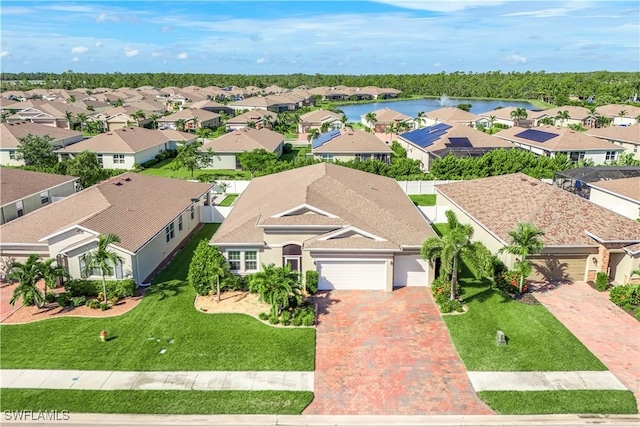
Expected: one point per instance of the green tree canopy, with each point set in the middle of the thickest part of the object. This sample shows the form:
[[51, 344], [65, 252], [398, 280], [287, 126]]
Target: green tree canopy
[[524, 240], [190, 157], [208, 265], [255, 160], [102, 258], [37, 151], [86, 167]]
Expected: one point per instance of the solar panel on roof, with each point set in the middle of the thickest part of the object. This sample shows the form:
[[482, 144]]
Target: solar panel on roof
[[536, 135], [425, 137], [319, 140], [461, 142]]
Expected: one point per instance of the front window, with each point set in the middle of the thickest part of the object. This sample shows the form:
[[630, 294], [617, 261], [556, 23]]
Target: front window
[[12, 154], [100, 160], [234, 260], [610, 156], [19, 208], [95, 271], [170, 232], [251, 260], [192, 212], [180, 223], [576, 155], [328, 157], [44, 197], [118, 159]]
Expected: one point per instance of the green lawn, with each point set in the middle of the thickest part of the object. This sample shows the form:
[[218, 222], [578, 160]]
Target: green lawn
[[229, 199], [440, 228], [299, 151], [423, 199], [561, 402], [164, 319], [537, 341], [156, 401], [165, 168]]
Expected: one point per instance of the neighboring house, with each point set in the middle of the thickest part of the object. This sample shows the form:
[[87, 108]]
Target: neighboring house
[[627, 137], [386, 117], [449, 115], [212, 106], [620, 114], [193, 119], [227, 147], [550, 141], [374, 92], [151, 215], [149, 106], [577, 116], [45, 113], [350, 145], [502, 116], [619, 195], [123, 148], [581, 238], [437, 141], [22, 191], [120, 117], [259, 118], [357, 230], [11, 133], [275, 103], [317, 118]]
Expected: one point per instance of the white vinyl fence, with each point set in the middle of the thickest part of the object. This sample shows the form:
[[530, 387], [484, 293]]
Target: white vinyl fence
[[210, 214], [420, 187]]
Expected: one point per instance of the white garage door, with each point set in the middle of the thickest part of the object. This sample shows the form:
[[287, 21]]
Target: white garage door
[[352, 275], [409, 270]]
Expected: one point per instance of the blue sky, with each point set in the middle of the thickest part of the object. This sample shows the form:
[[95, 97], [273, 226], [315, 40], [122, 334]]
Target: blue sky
[[326, 37]]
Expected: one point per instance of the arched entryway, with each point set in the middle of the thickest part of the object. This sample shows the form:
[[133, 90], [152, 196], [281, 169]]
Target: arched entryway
[[292, 255]]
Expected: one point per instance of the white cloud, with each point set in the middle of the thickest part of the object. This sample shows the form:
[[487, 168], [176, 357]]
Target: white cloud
[[155, 54], [261, 60], [98, 44], [441, 6], [102, 17], [4, 53], [128, 52], [516, 59], [166, 29], [437, 64], [75, 59], [543, 13], [182, 55], [80, 49]]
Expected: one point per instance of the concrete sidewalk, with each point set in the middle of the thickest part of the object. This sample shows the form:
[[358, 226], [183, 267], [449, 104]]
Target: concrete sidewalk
[[541, 381], [187, 380]]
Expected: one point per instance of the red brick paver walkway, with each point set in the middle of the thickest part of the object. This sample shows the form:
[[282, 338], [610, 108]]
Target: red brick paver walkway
[[605, 329], [387, 353]]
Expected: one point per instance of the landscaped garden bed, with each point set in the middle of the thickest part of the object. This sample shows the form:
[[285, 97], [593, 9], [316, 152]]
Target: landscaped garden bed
[[627, 297]]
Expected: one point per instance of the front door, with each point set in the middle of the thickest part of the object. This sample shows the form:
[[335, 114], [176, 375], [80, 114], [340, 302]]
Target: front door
[[292, 255], [294, 262]]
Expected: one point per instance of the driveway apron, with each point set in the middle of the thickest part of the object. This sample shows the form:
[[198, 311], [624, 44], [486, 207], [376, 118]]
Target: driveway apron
[[387, 353], [605, 329]]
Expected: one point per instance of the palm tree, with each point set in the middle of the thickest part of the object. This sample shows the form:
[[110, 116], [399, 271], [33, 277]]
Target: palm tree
[[251, 124], [518, 114], [421, 115], [28, 274], [51, 273], [154, 120], [343, 120], [492, 120], [525, 240], [562, 115], [118, 103], [324, 127], [455, 246], [371, 119], [103, 258], [276, 286], [635, 272], [82, 118], [313, 133], [69, 116], [180, 124], [391, 129], [546, 121], [138, 115]]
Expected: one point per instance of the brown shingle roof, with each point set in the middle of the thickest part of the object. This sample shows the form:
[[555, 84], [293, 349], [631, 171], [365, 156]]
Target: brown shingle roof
[[566, 139], [188, 114], [136, 210], [630, 134], [564, 217], [10, 133], [626, 187], [316, 116], [16, 184], [477, 138], [369, 202], [575, 112], [613, 110], [504, 113], [246, 139], [354, 141], [252, 116], [125, 140]]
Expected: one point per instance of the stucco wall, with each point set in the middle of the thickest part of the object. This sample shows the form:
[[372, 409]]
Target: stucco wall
[[223, 161], [622, 206]]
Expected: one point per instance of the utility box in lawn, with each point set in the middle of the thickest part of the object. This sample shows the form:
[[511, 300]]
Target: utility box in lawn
[[501, 339]]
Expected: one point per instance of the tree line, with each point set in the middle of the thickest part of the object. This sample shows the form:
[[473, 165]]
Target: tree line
[[604, 86]]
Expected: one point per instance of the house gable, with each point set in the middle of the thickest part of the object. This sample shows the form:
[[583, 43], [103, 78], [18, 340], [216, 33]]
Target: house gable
[[304, 209]]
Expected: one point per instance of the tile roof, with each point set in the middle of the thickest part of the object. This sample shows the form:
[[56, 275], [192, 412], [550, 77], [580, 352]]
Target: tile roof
[[614, 110], [354, 141], [10, 133], [188, 114], [387, 115], [126, 140], [246, 139], [317, 116], [504, 113], [564, 217], [626, 187], [576, 113], [252, 116], [136, 210], [369, 202], [452, 114], [630, 134], [565, 140], [475, 137], [16, 184]]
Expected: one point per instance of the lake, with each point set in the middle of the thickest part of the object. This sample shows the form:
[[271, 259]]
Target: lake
[[414, 106]]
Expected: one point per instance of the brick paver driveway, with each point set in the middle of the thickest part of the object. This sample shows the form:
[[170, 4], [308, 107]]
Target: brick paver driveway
[[605, 329], [387, 353]]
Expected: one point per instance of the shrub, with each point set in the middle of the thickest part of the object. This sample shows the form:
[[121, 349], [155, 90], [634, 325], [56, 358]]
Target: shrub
[[235, 283], [626, 294], [120, 288], [81, 287], [602, 281], [441, 290], [308, 319], [93, 303], [263, 316], [311, 281], [637, 313], [273, 319], [78, 301], [297, 321], [104, 306], [287, 148], [64, 299], [113, 300], [285, 318], [509, 282], [450, 305], [50, 297], [149, 163], [499, 268]]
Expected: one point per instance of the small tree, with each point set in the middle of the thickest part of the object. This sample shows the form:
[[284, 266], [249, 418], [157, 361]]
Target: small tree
[[103, 258], [276, 286], [371, 119], [525, 240], [312, 134], [86, 167], [207, 266], [255, 160], [28, 274], [36, 151], [190, 157]]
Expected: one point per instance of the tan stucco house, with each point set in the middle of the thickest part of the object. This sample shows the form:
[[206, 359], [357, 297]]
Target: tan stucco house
[[619, 195], [11, 133], [627, 137], [151, 215], [350, 144], [357, 230], [228, 146], [581, 238], [317, 118]]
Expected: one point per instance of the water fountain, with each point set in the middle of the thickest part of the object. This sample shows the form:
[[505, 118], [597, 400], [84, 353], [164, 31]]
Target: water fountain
[[445, 101]]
